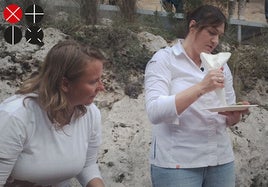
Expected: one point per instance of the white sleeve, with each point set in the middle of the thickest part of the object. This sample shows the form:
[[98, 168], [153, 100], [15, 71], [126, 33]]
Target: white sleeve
[[12, 138], [160, 105], [91, 168]]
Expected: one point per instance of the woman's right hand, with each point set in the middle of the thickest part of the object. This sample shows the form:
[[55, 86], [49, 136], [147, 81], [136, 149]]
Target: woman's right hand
[[213, 80]]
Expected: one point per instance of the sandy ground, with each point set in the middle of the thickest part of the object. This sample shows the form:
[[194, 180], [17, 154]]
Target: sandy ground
[[150, 5], [254, 9]]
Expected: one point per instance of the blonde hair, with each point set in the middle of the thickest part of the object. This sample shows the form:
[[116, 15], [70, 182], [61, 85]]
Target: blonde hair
[[66, 59]]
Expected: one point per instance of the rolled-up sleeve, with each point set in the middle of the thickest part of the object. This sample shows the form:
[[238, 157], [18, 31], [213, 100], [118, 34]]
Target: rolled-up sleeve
[[160, 105], [91, 168]]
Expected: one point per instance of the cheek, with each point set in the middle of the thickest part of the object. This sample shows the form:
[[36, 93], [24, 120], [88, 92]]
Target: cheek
[[198, 44], [202, 39], [81, 91], [89, 89]]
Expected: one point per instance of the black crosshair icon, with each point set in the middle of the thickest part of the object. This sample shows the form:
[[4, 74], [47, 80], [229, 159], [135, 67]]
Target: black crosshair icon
[[34, 14], [34, 35], [12, 35]]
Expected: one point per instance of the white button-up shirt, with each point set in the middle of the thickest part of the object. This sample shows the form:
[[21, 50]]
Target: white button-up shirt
[[196, 137]]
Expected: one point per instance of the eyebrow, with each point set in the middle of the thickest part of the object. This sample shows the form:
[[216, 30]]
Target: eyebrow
[[217, 30]]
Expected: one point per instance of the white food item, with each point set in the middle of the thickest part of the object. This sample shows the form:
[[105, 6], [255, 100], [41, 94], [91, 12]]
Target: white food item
[[216, 61]]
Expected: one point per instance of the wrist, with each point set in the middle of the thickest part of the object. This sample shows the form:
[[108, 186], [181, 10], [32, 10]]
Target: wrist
[[200, 90]]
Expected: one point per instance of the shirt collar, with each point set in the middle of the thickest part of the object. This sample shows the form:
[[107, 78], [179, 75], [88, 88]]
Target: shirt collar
[[178, 48]]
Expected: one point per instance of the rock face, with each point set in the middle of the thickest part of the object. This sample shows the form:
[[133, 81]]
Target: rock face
[[124, 154], [123, 157], [151, 42], [250, 148]]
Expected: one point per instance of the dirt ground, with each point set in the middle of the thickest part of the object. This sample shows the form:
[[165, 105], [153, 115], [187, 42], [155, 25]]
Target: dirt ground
[[254, 9]]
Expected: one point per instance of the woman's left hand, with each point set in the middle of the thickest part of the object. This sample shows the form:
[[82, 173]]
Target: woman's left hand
[[233, 117], [96, 182]]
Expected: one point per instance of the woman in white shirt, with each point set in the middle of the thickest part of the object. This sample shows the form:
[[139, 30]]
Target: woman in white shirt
[[190, 146], [50, 131]]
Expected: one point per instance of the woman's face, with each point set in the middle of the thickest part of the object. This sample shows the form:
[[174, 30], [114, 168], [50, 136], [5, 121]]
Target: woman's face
[[208, 38], [83, 90]]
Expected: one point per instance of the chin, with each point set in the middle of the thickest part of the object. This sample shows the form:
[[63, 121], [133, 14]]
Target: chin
[[207, 51], [89, 102]]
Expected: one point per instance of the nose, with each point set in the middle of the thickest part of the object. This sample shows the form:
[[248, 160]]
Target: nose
[[100, 86], [216, 39]]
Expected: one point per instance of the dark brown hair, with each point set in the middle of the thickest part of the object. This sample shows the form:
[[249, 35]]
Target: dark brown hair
[[206, 16]]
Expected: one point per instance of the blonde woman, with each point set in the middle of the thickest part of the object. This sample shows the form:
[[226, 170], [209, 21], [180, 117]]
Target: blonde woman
[[50, 130]]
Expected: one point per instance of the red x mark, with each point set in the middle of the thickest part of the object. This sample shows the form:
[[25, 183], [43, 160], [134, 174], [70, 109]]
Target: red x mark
[[12, 13]]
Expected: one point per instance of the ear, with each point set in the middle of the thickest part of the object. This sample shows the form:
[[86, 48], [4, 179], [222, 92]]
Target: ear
[[65, 84], [192, 24]]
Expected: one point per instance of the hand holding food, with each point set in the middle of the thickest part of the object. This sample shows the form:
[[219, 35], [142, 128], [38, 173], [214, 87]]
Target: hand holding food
[[216, 61]]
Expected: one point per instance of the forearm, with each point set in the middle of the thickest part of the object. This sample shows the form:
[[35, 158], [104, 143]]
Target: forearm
[[185, 98], [96, 182], [210, 82]]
